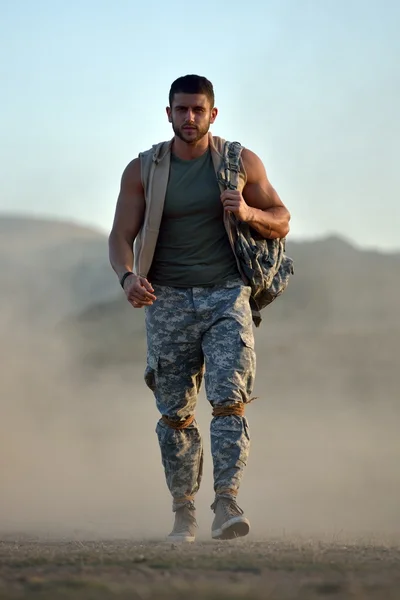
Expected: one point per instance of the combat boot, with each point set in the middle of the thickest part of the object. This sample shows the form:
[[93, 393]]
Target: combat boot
[[229, 522], [185, 525]]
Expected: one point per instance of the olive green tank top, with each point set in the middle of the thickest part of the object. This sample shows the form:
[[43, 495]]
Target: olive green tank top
[[193, 248]]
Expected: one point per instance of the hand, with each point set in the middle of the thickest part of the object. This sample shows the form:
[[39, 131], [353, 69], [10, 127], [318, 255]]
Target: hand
[[234, 202], [138, 291]]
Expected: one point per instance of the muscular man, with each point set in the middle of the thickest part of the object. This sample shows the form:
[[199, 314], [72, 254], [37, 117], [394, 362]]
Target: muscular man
[[198, 317]]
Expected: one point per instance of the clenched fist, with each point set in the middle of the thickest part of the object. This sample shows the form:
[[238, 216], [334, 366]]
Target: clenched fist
[[234, 202]]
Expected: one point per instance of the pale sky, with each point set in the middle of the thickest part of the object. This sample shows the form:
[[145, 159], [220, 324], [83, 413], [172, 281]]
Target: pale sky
[[312, 86]]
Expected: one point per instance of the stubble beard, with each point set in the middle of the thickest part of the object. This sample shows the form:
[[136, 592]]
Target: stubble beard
[[190, 138]]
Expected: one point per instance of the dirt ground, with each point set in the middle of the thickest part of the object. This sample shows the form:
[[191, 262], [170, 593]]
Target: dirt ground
[[278, 569]]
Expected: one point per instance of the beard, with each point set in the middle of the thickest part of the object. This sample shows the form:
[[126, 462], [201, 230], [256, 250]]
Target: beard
[[191, 137]]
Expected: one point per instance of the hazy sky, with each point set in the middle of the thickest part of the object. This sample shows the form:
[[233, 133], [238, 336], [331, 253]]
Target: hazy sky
[[312, 86]]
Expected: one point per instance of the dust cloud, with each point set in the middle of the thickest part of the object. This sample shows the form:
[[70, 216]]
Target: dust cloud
[[75, 455], [79, 456]]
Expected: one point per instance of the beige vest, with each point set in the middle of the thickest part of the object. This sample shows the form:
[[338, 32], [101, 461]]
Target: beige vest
[[155, 165]]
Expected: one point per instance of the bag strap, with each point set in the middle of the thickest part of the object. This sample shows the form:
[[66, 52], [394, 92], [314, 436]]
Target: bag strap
[[229, 174]]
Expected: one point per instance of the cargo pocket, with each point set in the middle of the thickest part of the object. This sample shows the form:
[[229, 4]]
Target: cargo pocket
[[247, 338], [151, 371], [247, 363]]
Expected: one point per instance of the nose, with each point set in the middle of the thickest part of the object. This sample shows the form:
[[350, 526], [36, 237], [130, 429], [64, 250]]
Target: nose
[[190, 115]]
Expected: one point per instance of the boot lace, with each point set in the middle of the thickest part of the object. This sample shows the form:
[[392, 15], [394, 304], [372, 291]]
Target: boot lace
[[229, 508]]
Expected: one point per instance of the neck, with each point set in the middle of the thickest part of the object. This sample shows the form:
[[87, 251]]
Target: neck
[[189, 151]]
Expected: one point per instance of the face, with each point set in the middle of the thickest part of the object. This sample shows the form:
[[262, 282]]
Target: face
[[191, 116]]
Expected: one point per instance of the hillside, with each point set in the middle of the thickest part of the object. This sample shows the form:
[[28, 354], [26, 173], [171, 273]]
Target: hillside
[[66, 270], [51, 269], [341, 309], [337, 290]]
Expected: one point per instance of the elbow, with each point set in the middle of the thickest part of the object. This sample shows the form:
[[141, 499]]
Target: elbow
[[118, 240], [115, 242], [112, 238], [111, 247], [118, 237]]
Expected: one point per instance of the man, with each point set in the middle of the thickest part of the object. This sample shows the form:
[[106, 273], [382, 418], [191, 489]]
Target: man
[[198, 317]]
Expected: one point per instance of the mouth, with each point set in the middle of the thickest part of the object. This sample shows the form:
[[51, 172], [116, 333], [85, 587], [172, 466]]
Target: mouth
[[189, 128]]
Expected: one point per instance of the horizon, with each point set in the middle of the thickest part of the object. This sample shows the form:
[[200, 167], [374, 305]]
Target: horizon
[[51, 219], [315, 94]]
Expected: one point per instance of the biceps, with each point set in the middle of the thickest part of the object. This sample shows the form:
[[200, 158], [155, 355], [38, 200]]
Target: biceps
[[129, 215], [130, 208], [258, 191], [261, 195]]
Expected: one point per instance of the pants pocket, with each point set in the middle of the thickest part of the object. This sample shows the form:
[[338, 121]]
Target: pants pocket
[[248, 361], [151, 371], [247, 338]]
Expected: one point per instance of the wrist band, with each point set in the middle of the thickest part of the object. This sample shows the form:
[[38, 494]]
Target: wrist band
[[124, 276]]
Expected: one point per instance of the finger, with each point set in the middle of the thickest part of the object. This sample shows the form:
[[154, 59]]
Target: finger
[[232, 202], [146, 284], [149, 296], [236, 200], [136, 304], [146, 298], [138, 289], [144, 293], [141, 293], [139, 296], [140, 300], [230, 194], [231, 206]]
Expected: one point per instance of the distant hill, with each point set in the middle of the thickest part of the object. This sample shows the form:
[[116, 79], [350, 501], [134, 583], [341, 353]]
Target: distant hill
[[338, 318], [339, 286], [51, 269], [336, 289]]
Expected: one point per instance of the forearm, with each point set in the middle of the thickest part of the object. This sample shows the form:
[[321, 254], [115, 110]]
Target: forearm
[[120, 252], [271, 223]]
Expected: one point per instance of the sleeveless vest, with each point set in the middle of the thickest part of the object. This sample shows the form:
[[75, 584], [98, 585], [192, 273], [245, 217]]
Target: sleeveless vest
[[155, 166]]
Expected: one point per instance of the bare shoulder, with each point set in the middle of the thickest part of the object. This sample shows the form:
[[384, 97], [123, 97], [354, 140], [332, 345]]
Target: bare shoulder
[[258, 191], [130, 208], [131, 179], [253, 166]]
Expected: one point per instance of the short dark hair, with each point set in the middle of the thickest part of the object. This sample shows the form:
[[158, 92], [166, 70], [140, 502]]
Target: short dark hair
[[192, 84]]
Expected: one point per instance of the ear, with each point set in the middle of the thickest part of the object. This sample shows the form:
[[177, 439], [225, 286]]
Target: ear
[[214, 114], [169, 113]]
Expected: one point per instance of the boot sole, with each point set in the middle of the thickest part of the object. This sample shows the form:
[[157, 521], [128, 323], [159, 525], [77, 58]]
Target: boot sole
[[234, 528]]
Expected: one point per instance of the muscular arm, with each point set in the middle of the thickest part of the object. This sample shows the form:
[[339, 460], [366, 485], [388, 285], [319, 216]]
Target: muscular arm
[[128, 219], [267, 214]]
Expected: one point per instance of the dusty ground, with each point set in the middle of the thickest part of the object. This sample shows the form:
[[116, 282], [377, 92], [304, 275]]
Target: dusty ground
[[275, 570]]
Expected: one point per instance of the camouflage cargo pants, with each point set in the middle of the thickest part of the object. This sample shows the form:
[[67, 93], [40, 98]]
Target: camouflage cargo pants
[[193, 332]]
